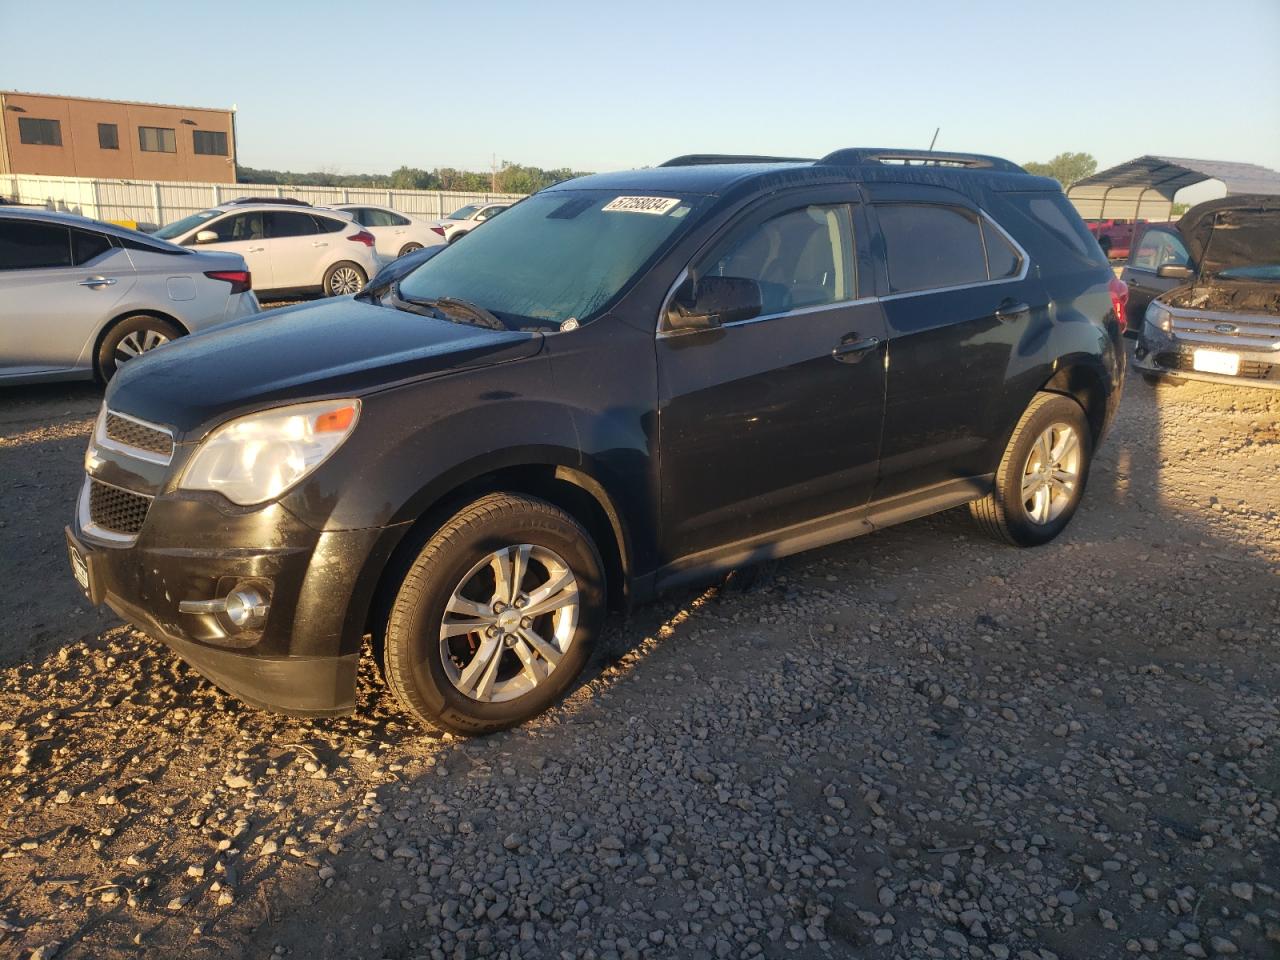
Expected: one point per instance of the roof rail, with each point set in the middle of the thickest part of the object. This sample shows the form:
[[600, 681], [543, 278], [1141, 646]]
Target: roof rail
[[852, 156], [287, 201], [704, 159]]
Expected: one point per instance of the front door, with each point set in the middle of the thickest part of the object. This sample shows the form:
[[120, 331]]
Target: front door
[[1158, 247], [243, 233], [775, 420]]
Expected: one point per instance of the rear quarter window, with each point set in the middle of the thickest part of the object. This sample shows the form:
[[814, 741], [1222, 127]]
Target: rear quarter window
[[1047, 225], [928, 246]]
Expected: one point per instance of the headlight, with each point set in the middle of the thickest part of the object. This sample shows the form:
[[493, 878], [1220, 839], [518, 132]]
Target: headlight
[[1159, 317], [260, 456]]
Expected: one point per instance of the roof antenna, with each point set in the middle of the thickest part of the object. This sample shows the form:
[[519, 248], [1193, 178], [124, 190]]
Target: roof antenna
[[935, 138]]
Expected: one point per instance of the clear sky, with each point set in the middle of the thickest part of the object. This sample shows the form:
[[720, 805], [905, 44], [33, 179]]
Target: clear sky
[[600, 85]]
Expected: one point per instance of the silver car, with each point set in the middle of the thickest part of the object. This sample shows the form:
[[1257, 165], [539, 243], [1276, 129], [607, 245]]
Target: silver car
[[79, 297]]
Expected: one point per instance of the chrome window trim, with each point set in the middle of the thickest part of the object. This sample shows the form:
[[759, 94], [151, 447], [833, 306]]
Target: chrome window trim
[[91, 529], [100, 438], [1024, 259]]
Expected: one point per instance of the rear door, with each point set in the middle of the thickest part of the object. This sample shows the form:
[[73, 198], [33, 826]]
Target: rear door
[[58, 286], [960, 305], [299, 252], [775, 420], [1157, 247]]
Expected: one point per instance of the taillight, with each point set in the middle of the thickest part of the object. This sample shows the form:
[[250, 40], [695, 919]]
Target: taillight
[[241, 280], [1119, 300], [439, 230], [364, 236]]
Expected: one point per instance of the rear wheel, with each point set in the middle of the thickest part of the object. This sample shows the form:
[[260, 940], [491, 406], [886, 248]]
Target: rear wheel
[[1042, 475], [409, 248], [132, 337], [344, 278], [496, 617]]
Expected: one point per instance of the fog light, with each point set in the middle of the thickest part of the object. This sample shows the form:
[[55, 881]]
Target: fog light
[[244, 608]]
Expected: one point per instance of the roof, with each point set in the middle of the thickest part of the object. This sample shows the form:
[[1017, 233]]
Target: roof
[[127, 103], [74, 220], [1144, 188]]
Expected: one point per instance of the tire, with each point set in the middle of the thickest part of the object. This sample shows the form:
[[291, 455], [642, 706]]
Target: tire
[[1004, 513], [344, 278], [409, 248], [429, 671], [130, 337]]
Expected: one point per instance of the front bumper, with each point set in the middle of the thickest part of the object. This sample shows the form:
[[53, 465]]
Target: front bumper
[[302, 661], [1163, 354]]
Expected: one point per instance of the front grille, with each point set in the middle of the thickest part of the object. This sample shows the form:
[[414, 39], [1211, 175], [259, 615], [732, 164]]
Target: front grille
[[1241, 331], [1249, 369], [131, 433], [117, 510]]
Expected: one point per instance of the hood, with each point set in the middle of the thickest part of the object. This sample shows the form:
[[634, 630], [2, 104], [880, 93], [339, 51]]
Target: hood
[[1232, 232], [332, 348]]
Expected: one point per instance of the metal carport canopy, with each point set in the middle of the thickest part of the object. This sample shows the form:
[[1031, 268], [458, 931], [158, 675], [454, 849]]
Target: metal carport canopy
[[1143, 189]]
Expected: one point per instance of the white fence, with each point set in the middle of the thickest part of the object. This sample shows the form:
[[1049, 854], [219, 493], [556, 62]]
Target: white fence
[[153, 203]]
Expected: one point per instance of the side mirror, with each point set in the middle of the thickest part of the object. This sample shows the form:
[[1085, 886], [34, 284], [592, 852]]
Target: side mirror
[[206, 236], [1175, 271], [712, 302]]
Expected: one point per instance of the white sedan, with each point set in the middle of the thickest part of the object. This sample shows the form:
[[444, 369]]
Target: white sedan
[[395, 233]]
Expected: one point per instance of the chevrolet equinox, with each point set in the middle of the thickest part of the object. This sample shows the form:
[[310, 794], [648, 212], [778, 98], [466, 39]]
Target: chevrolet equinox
[[627, 382]]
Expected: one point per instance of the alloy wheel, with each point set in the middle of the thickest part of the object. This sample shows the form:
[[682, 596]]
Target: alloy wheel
[[1051, 477], [509, 622], [345, 280], [138, 343]]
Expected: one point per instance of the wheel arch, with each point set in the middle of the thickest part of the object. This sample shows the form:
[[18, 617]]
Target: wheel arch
[[121, 318], [573, 490], [1087, 385]]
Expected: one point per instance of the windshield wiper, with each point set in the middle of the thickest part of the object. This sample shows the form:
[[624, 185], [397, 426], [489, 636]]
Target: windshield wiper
[[449, 308]]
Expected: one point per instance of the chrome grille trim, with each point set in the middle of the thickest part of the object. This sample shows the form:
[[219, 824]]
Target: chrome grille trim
[[133, 437], [1252, 331]]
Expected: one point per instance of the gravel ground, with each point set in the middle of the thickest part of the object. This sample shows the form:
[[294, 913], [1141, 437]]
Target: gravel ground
[[915, 744]]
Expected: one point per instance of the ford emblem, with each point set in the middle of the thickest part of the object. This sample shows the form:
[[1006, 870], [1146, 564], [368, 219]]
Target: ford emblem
[[1225, 327]]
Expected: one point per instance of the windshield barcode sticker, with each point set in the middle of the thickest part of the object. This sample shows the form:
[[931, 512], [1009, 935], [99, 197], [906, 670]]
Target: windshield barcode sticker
[[655, 205]]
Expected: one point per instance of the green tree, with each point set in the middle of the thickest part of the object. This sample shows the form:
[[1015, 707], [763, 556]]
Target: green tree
[[412, 178], [1066, 168]]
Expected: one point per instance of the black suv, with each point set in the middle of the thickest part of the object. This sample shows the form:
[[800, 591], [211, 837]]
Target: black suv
[[628, 381]]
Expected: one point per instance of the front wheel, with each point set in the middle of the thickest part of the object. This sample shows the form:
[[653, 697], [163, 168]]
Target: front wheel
[[1042, 475], [344, 278], [496, 617], [132, 337]]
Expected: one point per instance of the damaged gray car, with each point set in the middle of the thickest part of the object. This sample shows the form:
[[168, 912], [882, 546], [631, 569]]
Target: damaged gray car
[[1224, 324]]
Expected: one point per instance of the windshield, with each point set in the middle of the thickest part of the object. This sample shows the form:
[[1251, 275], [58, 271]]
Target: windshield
[[1267, 272], [558, 255], [464, 213], [179, 227]]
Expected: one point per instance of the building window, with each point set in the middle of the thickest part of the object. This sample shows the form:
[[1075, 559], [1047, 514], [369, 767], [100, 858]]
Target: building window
[[157, 140], [210, 142], [108, 136], [45, 133]]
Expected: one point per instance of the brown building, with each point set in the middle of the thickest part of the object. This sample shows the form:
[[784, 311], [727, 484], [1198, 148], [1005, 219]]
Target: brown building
[[114, 139]]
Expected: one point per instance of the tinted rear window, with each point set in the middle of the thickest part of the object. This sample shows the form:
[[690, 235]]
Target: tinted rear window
[[930, 246], [24, 246], [1047, 225]]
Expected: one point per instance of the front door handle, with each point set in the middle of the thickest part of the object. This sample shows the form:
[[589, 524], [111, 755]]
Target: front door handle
[[851, 350], [256, 249], [96, 282], [1011, 310], [320, 243]]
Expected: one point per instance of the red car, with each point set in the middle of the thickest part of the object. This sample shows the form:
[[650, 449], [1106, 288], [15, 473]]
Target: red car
[[1114, 236]]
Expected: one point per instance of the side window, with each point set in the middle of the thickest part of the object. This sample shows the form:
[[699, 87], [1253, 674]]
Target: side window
[[1157, 248], [27, 246], [801, 258], [45, 133], [86, 246], [395, 220], [377, 218], [1047, 225], [242, 226], [1002, 259], [328, 224], [929, 246], [108, 136], [486, 213], [359, 214], [284, 224]]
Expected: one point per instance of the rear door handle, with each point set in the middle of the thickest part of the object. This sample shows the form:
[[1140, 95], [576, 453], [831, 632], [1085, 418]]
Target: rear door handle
[[850, 350], [1011, 310], [256, 249], [320, 243], [96, 282]]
